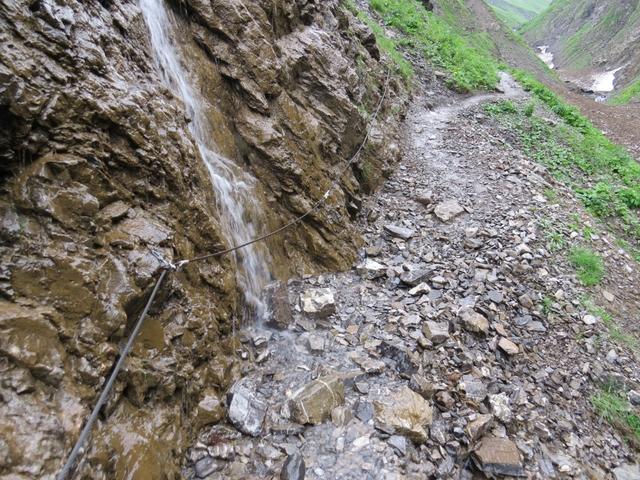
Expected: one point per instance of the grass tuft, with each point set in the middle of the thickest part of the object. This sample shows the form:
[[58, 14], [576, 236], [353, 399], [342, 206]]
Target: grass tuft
[[615, 409], [588, 264], [470, 68], [627, 95]]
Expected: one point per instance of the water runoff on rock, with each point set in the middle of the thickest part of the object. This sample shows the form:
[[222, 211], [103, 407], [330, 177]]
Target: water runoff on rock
[[234, 188]]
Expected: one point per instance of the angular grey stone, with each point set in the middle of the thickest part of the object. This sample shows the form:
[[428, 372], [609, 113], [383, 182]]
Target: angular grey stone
[[477, 428], [399, 443], [420, 289], [422, 386], [424, 198], [371, 269], [293, 468], [406, 413], [526, 302], [627, 472], [498, 456], [495, 296], [474, 321], [414, 277], [364, 411], [318, 302], [206, 466], [500, 408], [437, 332], [473, 388], [316, 344], [279, 314], [448, 210], [313, 403], [508, 347], [246, 412], [536, 327], [400, 232]]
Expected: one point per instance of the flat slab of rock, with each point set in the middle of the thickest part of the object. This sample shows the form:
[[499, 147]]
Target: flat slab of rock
[[371, 269], [498, 456], [473, 387], [475, 429], [279, 314], [400, 232], [508, 347], [318, 302], [437, 332], [414, 277], [473, 321], [313, 403], [627, 472], [405, 413], [448, 210], [246, 412]]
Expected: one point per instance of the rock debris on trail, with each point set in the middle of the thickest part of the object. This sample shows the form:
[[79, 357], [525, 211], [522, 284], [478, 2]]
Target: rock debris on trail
[[433, 357]]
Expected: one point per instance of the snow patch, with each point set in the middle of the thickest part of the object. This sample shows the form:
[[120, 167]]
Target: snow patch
[[604, 82]]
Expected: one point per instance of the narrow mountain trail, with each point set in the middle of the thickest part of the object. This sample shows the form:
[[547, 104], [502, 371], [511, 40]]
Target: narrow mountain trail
[[457, 346]]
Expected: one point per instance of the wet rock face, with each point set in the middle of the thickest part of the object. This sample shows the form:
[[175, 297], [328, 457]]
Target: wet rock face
[[99, 176]]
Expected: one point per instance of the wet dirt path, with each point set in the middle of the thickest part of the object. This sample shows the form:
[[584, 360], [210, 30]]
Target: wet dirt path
[[434, 352]]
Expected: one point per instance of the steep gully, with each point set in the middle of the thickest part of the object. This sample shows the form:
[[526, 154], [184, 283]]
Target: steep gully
[[433, 357]]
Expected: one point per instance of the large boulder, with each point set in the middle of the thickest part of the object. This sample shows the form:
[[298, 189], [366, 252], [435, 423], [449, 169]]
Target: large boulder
[[406, 413], [313, 403]]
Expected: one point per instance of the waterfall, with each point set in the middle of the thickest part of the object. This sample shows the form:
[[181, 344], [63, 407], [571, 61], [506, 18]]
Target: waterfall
[[234, 188]]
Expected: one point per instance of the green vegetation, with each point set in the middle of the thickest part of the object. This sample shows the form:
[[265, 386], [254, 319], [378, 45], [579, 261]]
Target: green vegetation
[[604, 175], [614, 408], [615, 331], [516, 13], [471, 67], [550, 194], [627, 95], [387, 45], [588, 264]]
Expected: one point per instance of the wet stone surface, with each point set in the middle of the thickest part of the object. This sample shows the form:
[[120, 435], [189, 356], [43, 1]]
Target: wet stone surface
[[437, 359]]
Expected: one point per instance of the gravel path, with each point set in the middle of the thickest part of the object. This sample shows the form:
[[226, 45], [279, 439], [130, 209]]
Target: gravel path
[[457, 348]]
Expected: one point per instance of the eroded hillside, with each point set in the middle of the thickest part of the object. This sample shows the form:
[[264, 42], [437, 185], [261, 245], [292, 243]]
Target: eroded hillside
[[588, 37]]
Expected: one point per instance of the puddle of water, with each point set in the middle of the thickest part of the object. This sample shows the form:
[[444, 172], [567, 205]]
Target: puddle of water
[[546, 56], [604, 82]]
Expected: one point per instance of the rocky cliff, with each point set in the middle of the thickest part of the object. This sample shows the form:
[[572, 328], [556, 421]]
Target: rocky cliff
[[100, 177]]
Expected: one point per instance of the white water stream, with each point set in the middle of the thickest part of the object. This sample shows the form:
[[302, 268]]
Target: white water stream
[[546, 56], [234, 188]]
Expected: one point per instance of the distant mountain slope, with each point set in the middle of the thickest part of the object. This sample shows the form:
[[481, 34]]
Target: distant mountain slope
[[591, 36], [481, 23], [516, 13]]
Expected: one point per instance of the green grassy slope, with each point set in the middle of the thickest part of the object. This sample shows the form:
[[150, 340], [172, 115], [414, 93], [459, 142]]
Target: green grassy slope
[[516, 13], [465, 39], [629, 94]]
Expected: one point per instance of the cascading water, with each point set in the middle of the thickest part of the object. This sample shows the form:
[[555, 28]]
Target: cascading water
[[234, 188]]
